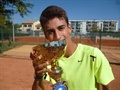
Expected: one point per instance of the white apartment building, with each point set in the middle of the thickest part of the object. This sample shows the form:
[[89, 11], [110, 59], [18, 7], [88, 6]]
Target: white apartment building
[[78, 26], [30, 25], [85, 26]]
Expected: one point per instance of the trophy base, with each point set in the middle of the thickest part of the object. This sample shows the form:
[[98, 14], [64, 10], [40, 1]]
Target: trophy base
[[60, 86]]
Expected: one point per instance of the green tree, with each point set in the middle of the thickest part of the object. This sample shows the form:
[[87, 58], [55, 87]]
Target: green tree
[[9, 7], [16, 26], [8, 30]]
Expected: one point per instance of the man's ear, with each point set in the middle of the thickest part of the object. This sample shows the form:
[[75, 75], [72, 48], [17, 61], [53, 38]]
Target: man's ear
[[70, 28]]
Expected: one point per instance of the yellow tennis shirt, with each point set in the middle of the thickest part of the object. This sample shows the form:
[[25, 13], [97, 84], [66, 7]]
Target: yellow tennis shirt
[[85, 68]]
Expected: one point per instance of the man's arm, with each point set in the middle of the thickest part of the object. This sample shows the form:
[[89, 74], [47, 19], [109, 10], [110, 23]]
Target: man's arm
[[106, 87], [39, 72], [38, 85]]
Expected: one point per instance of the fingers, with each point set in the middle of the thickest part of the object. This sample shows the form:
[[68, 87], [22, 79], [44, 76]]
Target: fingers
[[37, 60], [40, 72], [41, 66], [32, 56], [41, 69], [39, 63]]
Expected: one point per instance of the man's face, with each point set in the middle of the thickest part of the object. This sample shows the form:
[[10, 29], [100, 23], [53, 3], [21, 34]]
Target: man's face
[[57, 29]]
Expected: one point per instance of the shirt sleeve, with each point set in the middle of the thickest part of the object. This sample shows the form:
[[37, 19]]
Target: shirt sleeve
[[102, 69]]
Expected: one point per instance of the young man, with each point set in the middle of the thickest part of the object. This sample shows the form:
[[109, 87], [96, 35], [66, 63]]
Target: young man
[[84, 67]]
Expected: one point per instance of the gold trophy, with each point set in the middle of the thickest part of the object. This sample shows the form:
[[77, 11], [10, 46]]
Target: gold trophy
[[51, 52]]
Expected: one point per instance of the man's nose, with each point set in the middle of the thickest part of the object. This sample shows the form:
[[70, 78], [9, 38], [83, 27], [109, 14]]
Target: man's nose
[[57, 35]]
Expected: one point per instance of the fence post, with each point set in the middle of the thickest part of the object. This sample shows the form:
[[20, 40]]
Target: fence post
[[100, 43], [2, 38]]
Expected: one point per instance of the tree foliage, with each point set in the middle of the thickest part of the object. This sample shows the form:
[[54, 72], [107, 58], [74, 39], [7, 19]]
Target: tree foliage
[[9, 7], [7, 32]]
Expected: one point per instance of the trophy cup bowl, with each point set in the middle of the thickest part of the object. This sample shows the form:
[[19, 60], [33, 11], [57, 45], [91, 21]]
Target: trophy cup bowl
[[51, 52]]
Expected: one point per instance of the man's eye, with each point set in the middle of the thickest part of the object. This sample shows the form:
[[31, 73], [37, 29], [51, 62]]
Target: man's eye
[[61, 28], [50, 32]]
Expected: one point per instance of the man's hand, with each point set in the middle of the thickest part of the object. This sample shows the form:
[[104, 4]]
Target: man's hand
[[40, 69], [39, 64]]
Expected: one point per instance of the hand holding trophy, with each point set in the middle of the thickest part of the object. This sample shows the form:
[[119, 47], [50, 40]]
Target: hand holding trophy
[[51, 52]]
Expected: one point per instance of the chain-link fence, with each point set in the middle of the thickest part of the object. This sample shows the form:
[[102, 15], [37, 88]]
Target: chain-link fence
[[88, 38]]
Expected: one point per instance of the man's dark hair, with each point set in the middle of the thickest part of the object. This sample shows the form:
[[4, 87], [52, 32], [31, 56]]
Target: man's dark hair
[[51, 12]]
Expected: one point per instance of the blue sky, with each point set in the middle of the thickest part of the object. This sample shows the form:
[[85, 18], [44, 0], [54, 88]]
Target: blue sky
[[76, 9]]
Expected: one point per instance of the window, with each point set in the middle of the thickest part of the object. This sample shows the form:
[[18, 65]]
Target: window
[[38, 28], [25, 25], [78, 25], [29, 25]]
